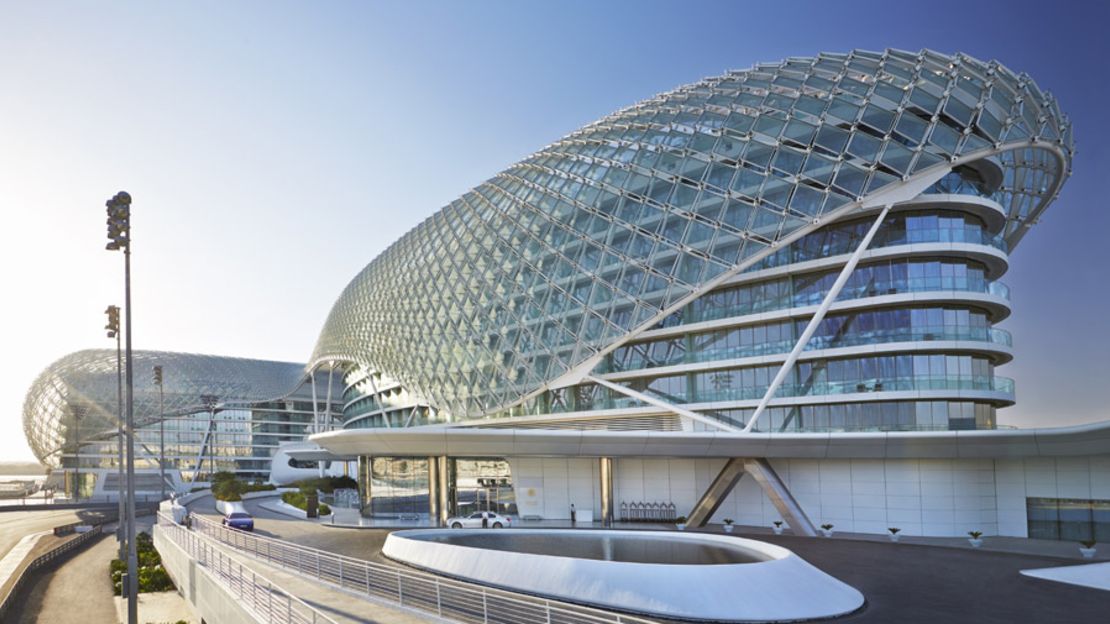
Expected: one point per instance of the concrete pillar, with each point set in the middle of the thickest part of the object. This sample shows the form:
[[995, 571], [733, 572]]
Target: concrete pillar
[[433, 490], [437, 490], [443, 475], [365, 472], [605, 471]]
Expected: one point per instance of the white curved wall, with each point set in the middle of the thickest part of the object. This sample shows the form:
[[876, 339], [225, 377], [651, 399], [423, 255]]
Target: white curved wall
[[783, 588]]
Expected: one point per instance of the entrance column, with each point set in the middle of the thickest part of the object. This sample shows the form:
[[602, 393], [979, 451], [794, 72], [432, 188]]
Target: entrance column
[[442, 489], [437, 490], [605, 470], [365, 493]]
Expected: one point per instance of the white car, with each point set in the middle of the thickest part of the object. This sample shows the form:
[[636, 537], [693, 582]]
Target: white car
[[480, 520]]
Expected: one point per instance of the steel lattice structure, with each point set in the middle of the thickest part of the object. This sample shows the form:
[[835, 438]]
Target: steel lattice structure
[[86, 381], [524, 282]]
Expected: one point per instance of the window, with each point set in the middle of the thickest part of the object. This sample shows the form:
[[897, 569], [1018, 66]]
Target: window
[[1068, 519]]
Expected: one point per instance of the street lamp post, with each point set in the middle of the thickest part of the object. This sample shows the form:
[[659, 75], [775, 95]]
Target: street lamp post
[[161, 429], [113, 332], [78, 414], [119, 237]]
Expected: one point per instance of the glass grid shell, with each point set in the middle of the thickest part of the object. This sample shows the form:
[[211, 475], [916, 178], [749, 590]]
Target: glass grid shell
[[588, 241], [84, 384]]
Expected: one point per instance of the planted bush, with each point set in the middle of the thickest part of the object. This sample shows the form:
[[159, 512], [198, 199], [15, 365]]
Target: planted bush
[[300, 501], [226, 487], [152, 575], [327, 485]]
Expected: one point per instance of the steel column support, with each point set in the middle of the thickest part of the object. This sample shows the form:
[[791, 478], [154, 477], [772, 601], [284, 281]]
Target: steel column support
[[315, 408], [326, 418], [717, 492], [814, 322], [780, 496], [605, 472]]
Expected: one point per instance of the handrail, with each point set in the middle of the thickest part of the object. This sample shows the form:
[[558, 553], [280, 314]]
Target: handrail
[[446, 598], [267, 601]]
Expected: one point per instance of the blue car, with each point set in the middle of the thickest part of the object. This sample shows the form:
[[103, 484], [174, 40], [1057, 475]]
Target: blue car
[[239, 520]]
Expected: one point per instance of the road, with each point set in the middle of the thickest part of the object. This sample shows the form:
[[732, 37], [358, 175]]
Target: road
[[358, 543], [15, 525], [50, 596], [905, 583]]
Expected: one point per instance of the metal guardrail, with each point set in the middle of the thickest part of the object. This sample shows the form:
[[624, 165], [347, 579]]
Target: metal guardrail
[[269, 603], [446, 598]]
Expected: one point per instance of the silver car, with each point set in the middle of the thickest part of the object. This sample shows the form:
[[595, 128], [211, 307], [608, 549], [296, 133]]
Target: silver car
[[480, 520]]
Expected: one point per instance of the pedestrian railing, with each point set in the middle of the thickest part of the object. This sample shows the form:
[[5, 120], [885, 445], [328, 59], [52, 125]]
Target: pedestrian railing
[[268, 602], [443, 597]]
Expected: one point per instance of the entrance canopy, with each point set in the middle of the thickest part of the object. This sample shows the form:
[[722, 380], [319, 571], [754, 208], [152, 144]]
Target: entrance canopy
[[1090, 439]]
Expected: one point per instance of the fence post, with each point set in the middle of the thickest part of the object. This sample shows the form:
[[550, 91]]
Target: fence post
[[485, 607], [400, 596], [439, 602]]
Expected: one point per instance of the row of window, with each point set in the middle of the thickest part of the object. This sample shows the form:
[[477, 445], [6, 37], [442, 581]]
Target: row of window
[[823, 377], [410, 417], [809, 378], [900, 228], [880, 278], [835, 330], [871, 416], [1069, 519]]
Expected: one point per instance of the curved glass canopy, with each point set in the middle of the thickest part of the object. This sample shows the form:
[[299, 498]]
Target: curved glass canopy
[[538, 271]]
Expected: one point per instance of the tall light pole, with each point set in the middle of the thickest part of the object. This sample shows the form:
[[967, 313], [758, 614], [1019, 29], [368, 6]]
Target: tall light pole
[[78, 414], [113, 332], [119, 237], [161, 429]]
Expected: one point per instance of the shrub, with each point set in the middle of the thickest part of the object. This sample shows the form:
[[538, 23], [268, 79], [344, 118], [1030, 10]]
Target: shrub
[[300, 501], [152, 575], [1088, 543], [327, 485], [226, 487], [975, 534], [894, 530]]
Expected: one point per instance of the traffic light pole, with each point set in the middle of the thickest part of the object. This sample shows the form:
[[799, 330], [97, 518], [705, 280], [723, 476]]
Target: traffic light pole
[[161, 434], [121, 525], [132, 554], [77, 457], [119, 237]]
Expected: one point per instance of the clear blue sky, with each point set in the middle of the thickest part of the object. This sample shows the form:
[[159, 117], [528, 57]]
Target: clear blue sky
[[273, 149]]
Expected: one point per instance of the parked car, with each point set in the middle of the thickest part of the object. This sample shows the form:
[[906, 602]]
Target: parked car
[[475, 521], [239, 520]]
